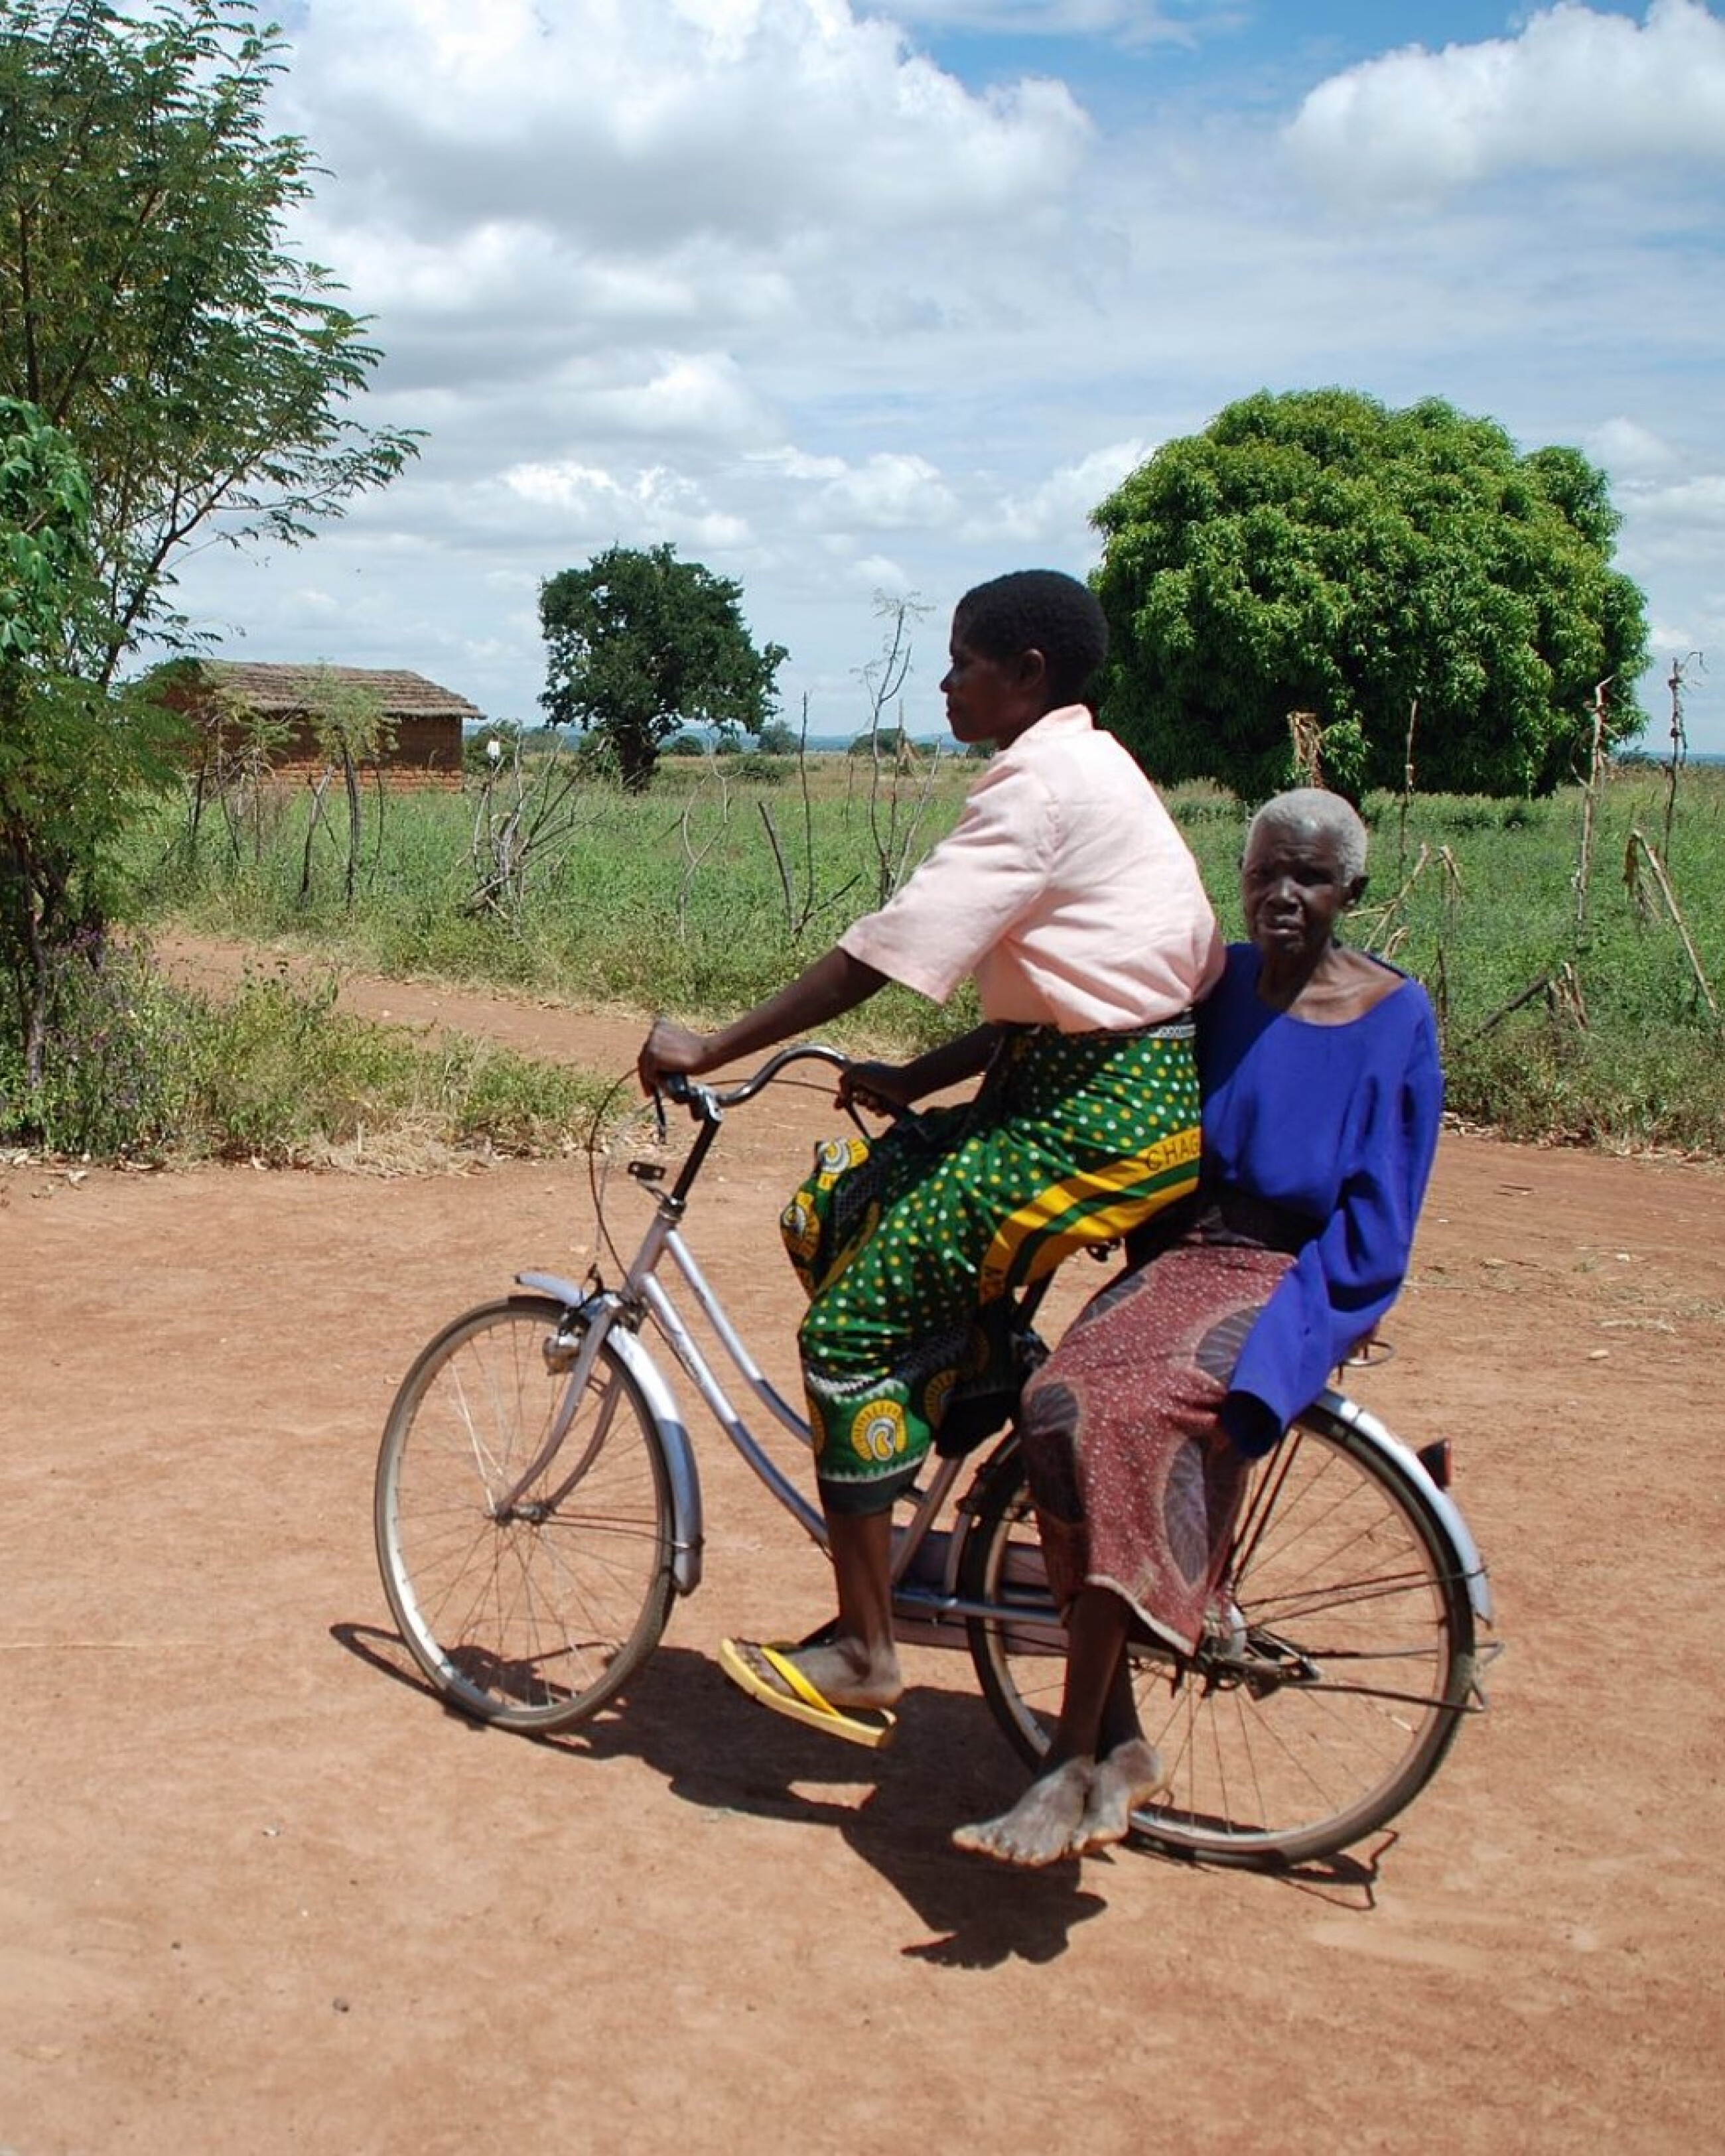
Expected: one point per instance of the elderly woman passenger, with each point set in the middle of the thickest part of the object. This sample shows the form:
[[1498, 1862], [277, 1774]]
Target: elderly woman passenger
[[1322, 1099]]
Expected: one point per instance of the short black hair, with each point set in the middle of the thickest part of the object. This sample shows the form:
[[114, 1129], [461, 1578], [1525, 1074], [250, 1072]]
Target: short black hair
[[1038, 610]]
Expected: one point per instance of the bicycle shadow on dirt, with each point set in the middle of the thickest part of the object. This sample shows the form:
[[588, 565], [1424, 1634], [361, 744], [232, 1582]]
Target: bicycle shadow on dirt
[[715, 1750]]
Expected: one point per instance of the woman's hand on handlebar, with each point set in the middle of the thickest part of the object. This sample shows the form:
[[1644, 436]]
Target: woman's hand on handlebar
[[671, 1050], [834, 983], [889, 1088], [883, 1088]]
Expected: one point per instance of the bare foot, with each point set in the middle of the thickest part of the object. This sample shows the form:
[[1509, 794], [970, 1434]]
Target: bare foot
[[1130, 1776], [1040, 1828]]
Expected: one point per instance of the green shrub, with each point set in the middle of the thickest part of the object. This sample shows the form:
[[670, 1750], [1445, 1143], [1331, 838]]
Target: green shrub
[[120, 1064], [888, 741], [1547, 1081], [750, 766], [144, 1070]]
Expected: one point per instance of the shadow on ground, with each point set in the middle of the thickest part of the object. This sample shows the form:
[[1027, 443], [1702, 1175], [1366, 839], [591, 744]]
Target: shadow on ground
[[679, 1718]]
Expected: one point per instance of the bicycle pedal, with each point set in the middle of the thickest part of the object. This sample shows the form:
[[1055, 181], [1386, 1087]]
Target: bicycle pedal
[[647, 1171]]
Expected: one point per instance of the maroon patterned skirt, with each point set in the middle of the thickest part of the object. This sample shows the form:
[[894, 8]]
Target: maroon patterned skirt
[[1134, 1481]]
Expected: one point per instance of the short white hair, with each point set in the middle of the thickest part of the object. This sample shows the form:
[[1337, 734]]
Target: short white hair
[[1314, 808]]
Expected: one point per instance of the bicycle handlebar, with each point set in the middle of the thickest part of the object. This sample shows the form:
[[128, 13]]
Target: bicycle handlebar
[[704, 1100]]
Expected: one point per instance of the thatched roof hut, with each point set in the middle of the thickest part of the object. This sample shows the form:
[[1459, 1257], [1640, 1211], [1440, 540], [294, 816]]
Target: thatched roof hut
[[419, 741]]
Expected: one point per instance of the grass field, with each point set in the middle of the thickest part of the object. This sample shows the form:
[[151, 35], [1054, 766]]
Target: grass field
[[1579, 1016]]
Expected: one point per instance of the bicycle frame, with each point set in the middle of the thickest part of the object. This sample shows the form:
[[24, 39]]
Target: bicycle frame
[[927, 1608]]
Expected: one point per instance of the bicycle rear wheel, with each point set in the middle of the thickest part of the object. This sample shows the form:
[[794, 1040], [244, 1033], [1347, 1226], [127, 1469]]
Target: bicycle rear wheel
[[1336, 1681], [526, 1606]]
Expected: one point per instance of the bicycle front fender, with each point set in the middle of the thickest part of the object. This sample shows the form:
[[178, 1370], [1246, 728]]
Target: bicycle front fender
[[667, 1420], [1469, 1563]]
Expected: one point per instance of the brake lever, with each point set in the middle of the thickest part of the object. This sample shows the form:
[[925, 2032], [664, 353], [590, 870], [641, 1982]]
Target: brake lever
[[676, 1086]]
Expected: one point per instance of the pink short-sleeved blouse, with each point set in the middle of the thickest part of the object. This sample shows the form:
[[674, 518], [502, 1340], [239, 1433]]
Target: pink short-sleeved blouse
[[1064, 888]]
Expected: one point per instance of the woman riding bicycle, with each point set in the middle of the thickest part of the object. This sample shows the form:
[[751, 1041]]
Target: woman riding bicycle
[[1068, 893], [1322, 1100]]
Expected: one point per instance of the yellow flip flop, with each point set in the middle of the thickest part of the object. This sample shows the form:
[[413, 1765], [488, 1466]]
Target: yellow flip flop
[[783, 1687]]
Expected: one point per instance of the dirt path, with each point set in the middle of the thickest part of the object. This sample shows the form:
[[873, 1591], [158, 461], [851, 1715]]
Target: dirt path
[[260, 1893]]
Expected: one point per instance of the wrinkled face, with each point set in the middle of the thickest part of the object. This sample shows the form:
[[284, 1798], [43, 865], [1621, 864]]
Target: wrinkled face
[[1293, 889], [990, 699]]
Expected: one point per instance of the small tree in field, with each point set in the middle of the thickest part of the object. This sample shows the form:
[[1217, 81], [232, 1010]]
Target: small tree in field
[[777, 738], [1318, 553], [640, 644], [351, 730]]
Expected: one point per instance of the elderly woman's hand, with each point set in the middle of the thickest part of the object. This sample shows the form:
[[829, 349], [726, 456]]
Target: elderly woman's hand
[[671, 1050]]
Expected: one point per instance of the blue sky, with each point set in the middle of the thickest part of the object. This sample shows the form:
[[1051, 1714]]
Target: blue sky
[[854, 302]]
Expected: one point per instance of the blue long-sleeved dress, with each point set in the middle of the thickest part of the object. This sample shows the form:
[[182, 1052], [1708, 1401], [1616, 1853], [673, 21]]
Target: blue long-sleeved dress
[[1338, 1123]]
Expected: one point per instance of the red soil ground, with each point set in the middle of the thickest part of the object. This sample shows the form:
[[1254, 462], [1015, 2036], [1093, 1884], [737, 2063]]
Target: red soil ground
[[260, 1892]]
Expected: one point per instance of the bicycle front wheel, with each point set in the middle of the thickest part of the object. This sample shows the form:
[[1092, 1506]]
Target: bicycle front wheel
[[1334, 1681], [526, 1603]]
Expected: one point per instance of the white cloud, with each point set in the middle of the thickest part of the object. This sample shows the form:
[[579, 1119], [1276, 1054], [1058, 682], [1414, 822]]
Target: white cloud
[[1660, 522], [798, 464], [592, 509], [1060, 505], [637, 126], [1625, 449], [889, 491], [1696, 504], [879, 573], [700, 395], [1576, 91], [565, 486]]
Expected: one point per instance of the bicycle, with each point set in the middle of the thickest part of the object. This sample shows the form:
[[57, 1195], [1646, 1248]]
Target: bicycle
[[538, 1509]]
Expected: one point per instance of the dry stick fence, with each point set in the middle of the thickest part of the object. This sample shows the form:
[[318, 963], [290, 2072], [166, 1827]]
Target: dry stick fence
[[1306, 735], [1679, 738], [1407, 799], [1561, 989], [1639, 850], [1386, 933], [694, 856], [1590, 803], [802, 897]]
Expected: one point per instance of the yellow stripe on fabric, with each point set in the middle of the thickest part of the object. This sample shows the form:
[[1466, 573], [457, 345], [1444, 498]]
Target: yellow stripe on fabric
[[1101, 1227], [1132, 1180]]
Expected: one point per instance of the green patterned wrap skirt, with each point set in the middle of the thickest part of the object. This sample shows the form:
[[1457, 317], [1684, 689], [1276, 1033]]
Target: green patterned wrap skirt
[[910, 1245]]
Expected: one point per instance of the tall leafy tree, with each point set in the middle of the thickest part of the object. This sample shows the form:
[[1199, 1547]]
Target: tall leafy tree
[[149, 307], [73, 756], [1316, 551], [639, 644], [169, 370]]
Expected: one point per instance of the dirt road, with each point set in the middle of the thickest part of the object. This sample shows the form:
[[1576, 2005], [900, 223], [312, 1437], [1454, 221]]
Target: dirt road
[[260, 1893]]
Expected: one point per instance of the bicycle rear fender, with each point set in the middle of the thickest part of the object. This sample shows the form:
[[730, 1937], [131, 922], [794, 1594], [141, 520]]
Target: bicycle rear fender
[[1469, 1563], [667, 1419]]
